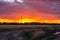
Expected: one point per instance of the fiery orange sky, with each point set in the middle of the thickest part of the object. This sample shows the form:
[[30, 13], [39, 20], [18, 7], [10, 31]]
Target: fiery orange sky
[[44, 11]]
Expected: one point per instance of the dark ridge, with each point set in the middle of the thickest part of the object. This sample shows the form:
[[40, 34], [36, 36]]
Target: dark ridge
[[31, 23]]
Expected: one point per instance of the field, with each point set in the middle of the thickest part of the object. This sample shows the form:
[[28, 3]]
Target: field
[[28, 26], [29, 32]]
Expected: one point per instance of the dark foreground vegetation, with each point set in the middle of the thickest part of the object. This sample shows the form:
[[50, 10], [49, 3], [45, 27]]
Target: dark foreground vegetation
[[30, 34], [31, 23]]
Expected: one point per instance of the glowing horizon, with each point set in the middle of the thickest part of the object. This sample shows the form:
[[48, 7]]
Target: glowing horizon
[[28, 21]]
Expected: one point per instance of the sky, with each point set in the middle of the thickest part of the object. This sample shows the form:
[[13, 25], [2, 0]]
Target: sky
[[39, 10]]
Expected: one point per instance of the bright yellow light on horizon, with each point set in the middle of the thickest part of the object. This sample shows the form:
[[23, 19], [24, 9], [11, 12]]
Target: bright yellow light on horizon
[[26, 20]]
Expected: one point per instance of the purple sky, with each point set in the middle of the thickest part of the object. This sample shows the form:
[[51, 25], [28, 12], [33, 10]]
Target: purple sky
[[40, 8]]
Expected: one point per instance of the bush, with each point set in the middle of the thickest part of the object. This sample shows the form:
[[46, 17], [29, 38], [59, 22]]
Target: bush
[[27, 34]]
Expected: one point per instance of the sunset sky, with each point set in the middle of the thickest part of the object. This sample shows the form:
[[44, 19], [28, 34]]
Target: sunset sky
[[31, 11]]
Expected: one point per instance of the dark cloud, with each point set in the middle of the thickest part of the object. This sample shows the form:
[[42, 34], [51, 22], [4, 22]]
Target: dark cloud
[[46, 6], [8, 10], [52, 6]]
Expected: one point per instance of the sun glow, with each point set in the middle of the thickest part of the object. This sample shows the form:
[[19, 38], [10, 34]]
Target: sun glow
[[18, 21], [27, 20]]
